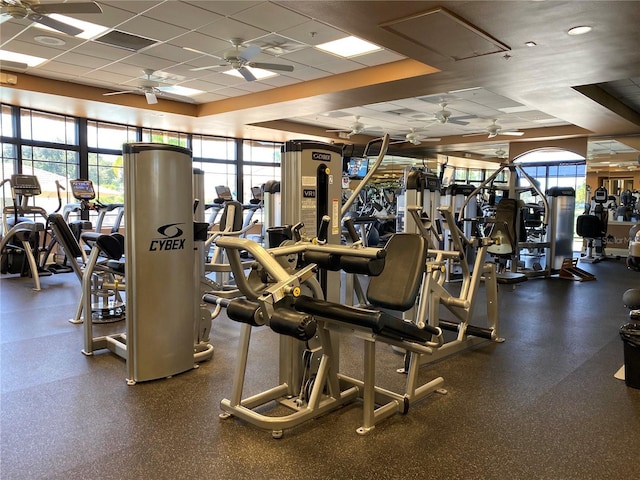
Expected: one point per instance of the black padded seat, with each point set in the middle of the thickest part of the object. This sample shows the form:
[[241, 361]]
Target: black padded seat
[[510, 278], [395, 288]]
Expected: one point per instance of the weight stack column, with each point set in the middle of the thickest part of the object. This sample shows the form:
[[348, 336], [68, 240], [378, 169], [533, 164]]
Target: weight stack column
[[159, 256]]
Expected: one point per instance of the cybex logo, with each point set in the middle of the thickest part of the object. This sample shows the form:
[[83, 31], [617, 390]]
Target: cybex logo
[[309, 193], [321, 157], [169, 239]]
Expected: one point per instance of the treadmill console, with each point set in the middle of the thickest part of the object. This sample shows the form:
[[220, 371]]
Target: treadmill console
[[25, 185], [82, 189]]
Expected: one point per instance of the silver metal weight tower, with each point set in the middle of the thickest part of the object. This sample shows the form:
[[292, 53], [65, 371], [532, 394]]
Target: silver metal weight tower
[[159, 256]]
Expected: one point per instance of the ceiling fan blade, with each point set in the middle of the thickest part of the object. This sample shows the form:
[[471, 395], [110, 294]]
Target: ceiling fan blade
[[55, 24], [249, 52], [430, 139], [457, 122], [119, 93], [151, 98], [248, 76], [66, 8], [272, 66], [339, 130], [9, 65], [514, 134], [199, 69]]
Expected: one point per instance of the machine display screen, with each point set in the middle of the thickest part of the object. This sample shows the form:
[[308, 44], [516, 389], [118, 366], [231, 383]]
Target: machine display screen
[[83, 189], [25, 184], [357, 167]]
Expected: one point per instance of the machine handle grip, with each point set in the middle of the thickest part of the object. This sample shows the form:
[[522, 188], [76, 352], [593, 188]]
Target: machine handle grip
[[295, 231], [351, 229], [324, 228]]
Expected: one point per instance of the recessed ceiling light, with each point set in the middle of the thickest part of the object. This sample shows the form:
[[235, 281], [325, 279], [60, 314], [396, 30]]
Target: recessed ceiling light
[[53, 41], [22, 58], [259, 73], [348, 47], [580, 30], [180, 90], [530, 44]]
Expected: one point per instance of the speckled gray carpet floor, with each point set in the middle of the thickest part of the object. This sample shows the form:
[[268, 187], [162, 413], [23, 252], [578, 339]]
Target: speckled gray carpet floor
[[542, 405]]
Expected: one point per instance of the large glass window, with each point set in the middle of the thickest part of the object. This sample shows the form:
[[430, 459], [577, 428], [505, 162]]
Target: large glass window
[[51, 165], [261, 164], [162, 136], [109, 136], [216, 157], [47, 127], [6, 122]]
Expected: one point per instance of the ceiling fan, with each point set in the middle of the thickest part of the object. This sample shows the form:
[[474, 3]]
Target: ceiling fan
[[493, 130], [37, 12], [416, 138], [239, 58], [444, 116], [354, 129], [151, 89], [500, 154]]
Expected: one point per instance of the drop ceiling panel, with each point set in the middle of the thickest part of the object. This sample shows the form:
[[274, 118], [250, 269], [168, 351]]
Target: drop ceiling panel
[[229, 28], [182, 14], [225, 7], [339, 66], [137, 6], [199, 41], [142, 60], [170, 52], [305, 73], [32, 49], [313, 33], [270, 17], [102, 51], [106, 77], [29, 36], [113, 15], [150, 28], [69, 71], [10, 29], [378, 58], [74, 58], [310, 57]]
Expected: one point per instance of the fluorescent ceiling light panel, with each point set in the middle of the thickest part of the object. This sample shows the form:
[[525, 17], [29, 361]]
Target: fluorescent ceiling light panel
[[518, 109], [21, 58], [184, 91], [90, 30], [259, 73], [348, 47]]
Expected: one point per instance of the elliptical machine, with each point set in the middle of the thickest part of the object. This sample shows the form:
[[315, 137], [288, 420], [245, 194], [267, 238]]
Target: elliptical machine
[[592, 226]]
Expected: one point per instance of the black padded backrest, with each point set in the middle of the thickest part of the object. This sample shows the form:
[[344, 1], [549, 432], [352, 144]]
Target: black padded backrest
[[589, 226], [397, 286], [64, 235], [111, 246], [231, 216]]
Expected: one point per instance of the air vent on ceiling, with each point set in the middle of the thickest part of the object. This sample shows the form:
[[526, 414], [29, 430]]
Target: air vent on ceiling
[[124, 40], [445, 33]]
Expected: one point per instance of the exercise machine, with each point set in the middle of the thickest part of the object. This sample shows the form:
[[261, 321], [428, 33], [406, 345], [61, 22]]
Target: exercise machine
[[592, 227], [162, 289], [20, 250]]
